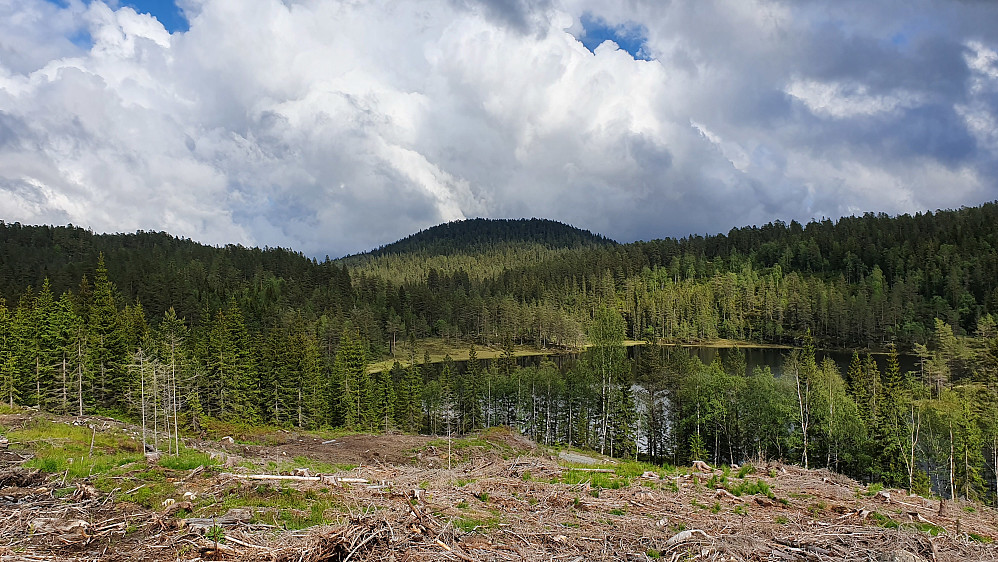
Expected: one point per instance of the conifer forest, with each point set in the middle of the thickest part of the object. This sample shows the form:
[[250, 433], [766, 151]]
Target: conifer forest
[[147, 325]]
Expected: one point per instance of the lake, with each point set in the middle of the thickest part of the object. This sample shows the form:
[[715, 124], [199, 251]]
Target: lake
[[754, 357]]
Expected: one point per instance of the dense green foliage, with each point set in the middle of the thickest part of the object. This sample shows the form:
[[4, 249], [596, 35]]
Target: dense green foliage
[[148, 325]]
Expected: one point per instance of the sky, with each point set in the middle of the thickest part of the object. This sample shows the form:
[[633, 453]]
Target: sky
[[335, 126]]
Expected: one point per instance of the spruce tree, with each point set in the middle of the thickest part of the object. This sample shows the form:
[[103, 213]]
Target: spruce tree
[[8, 377], [351, 371], [471, 392], [107, 347], [68, 328], [232, 366], [384, 400], [407, 399], [892, 431], [305, 361], [23, 346], [447, 403], [45, 347], [969, 444]]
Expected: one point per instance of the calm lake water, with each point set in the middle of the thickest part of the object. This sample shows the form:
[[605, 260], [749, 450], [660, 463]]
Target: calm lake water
[[761, 357]]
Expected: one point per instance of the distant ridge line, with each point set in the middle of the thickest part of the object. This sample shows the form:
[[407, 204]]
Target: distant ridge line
[[476, 233]]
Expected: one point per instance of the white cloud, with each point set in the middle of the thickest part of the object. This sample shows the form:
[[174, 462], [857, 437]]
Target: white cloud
[[842, 101], [333, 126]]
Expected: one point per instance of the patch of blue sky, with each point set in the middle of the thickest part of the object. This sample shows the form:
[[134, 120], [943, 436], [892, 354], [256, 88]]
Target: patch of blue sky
[[629, 36], [166, 11]]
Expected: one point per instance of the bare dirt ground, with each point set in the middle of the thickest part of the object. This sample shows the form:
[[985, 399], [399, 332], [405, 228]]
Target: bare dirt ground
[[502, 499]]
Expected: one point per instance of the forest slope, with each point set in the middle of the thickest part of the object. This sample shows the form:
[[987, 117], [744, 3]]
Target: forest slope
[[856, 282]]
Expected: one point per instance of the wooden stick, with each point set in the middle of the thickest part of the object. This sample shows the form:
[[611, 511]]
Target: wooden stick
[[246, 544]]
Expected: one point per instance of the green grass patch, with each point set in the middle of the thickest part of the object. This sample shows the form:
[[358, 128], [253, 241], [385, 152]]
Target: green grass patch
[[929, 528], [634, 469], [751, 488], [492, 439], [884, 521], [817, 509], [151, 495], [978, 538], [745, 470], [872, 489], [605, 480], [188, 459], [287, 507], [63, 448], [320, 467], [266, 435], [469, 524]]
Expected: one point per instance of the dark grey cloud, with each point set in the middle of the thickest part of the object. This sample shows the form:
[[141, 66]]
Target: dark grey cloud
[[521, 15]]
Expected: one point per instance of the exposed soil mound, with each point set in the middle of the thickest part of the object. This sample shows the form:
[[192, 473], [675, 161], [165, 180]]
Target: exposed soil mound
[[510, 438], [18, 477]]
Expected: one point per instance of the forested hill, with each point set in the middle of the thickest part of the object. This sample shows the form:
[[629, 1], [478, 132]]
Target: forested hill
[[477, 235], [856, 282], [161, 271]]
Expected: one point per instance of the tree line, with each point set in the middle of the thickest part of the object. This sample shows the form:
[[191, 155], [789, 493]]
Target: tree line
[[856, 282], [931, 429]]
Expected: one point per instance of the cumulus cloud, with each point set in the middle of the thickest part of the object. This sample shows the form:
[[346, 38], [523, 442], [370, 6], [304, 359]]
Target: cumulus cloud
[[333, 126]]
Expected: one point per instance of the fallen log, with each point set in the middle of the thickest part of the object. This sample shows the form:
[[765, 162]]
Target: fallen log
[[325, 478], [702, 466], [57, 525], [684, 536], [232, 518]]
